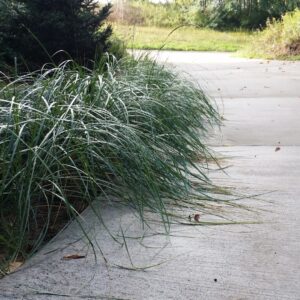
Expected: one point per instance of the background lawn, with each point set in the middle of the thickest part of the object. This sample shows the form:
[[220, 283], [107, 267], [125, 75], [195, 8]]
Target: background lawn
[[184, 38]]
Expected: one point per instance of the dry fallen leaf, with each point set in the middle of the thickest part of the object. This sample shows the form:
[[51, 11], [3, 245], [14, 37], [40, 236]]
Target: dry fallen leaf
[[73, 256], [13, 266], [277, 149], [197, 217]]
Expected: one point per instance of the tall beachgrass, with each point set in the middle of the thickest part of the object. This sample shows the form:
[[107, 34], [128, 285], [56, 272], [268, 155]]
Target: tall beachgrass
[[130, 130]]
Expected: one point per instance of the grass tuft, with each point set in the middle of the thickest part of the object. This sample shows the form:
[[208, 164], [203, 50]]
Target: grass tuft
[[69, 135]]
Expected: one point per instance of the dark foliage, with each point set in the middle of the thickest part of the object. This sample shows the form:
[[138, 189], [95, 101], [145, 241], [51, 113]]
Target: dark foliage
[[34, 30], [224, 14]]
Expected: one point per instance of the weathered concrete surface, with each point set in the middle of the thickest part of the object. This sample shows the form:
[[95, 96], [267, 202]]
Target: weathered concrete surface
[[258, 261], [259, 99]]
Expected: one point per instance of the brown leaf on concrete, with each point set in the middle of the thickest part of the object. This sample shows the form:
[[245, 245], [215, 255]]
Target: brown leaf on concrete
[[73, 256], [277, 149], [197, 217]]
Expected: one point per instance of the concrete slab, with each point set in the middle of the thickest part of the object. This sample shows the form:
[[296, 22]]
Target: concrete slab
[[225, 76], [257, 261], [259, 121]]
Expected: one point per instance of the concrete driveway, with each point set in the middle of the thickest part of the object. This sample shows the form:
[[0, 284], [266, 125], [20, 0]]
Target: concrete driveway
[[260, 101]]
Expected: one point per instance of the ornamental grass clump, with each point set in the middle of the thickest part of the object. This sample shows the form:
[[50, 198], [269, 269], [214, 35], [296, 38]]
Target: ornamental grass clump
[[70, 136]]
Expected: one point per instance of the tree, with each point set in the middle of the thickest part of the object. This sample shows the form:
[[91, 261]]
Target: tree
[[34, 30], [244, 13]]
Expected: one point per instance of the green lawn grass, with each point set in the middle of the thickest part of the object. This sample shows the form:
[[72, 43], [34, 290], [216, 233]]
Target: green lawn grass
[[184, 38]]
